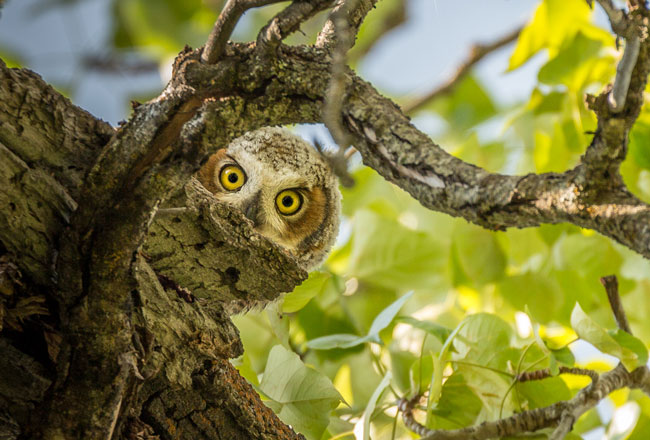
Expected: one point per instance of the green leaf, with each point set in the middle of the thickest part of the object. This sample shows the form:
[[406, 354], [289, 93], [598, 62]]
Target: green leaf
[[640, 141], [372, 404], [491, 156], [301, 396], [479, 254], [437, 330], [301, 295], [588, 421], [340, 340], [551, 153], [567, 67], [632, 343], [468, 105], [540, 393], [279, 323], [245, 368], [642, 428], [400, 365], [161, 27], [435, 389], [458, 406], [588, 255], [540, 293], [386, 316], [420, 374], [388, 254], [553, 22], [481, 337], [370, 188], [540, 103], [345, 340], [590, 331], [563, 356]]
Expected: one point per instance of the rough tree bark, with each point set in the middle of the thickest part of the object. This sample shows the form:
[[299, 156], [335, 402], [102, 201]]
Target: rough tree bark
[[95, 221]]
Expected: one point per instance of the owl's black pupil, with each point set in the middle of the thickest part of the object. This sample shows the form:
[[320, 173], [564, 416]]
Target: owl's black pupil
[[287, 201], [233, 178]]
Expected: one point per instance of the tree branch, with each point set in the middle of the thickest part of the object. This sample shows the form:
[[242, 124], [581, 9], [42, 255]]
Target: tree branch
[[477, 53], [354, 13], [590, 195], [611, 287], [624, 26], [225, 24], [545, 373], [617, 17], [624, 73], [560, 414], [344, 32], [288, 21]]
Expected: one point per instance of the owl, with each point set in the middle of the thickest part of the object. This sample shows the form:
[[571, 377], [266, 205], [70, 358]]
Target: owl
[[283, 186]]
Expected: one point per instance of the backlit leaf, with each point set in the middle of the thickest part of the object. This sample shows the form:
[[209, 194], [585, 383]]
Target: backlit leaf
[[301, 396], [590, 331]]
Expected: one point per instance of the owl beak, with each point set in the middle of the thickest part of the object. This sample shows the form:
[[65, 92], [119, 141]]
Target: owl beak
[[250, 210]]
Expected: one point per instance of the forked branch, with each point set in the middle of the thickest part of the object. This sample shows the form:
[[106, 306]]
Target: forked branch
[[624, 26], [224, 26], [354, 12], [288, 21]]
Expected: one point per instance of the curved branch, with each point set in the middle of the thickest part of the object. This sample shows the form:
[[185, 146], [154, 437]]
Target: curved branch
[[354, 16], [225, 24], [288, 21], [624, 74], [592, 195]]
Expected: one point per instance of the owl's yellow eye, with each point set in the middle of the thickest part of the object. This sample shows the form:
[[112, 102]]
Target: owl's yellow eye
[[232, 177], [288, 201]]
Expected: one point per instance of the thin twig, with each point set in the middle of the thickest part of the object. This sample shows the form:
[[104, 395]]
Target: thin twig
[[623, 27], [642, 379], [564, 427], [561, 414], [544, 373], [406, 407], [610, 283], [611, 287], [617, 17], [288, 21], [338, 162], [224, 26], [477, 53], [333, 105], [616, 99]]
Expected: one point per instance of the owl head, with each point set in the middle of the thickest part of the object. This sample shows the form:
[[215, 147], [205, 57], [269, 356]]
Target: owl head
[[283, 186]]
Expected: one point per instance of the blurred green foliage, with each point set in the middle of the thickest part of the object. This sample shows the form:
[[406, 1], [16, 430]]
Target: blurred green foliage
[[485, 305]]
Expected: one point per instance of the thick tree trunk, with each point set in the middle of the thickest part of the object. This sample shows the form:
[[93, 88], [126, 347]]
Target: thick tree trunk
[[139, 360]]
